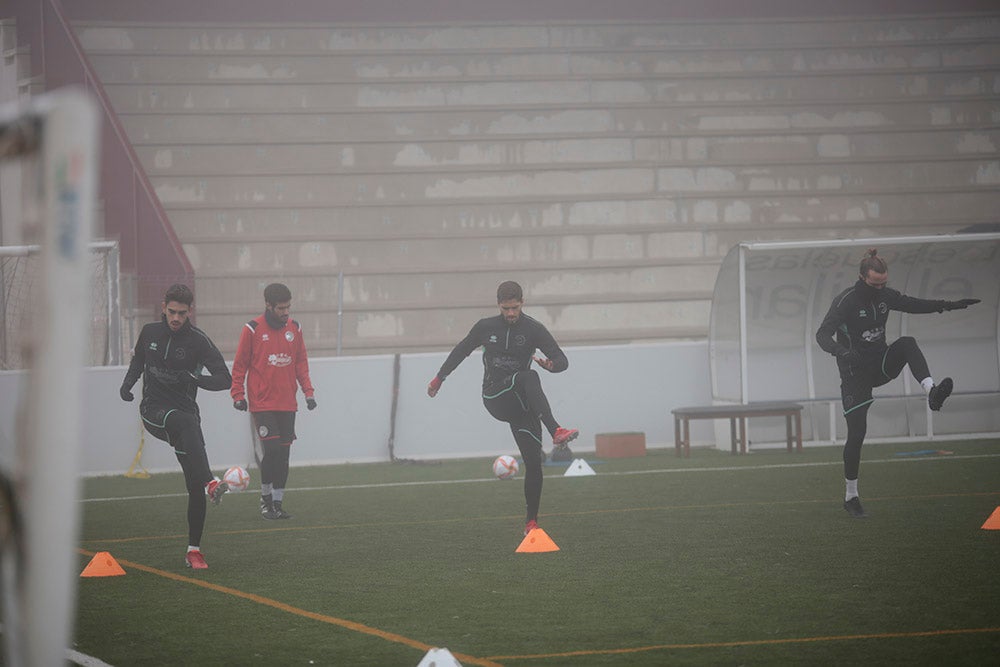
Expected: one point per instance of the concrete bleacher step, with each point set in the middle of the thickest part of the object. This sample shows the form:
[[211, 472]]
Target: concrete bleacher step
[[391, 288], [497, 185], [920, 207], [361, 38], [597, 65], [418, 220], [830, 209], [482, 153], [297, 125], [317, 190], [902, 114], [820, 146], [383, 157], [266, 126], [292, 96], [276, 254]]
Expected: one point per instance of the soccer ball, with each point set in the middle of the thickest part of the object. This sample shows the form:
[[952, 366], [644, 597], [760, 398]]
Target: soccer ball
[[505, 467], [237, 478]]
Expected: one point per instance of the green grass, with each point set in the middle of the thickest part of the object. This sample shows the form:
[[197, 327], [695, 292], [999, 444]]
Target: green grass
[[710, 560]]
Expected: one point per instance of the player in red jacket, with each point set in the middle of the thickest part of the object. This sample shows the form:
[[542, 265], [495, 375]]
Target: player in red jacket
[[271, 362]]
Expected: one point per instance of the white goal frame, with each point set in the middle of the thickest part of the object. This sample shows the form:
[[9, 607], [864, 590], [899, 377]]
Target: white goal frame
[[40, 563]]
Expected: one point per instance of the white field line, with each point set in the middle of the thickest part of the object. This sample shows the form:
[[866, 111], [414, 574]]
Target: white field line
[[670, 471]]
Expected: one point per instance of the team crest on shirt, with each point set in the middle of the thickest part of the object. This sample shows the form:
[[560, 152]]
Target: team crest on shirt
[[883, 308], [262, 431], [520, 339], [289, 336], [265, 337], [153, 346], [862, 313], [493, 338], [180, 353]]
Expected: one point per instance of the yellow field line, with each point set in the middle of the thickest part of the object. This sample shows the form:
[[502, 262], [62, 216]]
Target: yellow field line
[[754, 642], [281, 606]]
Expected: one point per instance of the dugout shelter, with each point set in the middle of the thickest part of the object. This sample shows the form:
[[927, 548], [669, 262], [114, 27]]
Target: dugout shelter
[[770, 298]]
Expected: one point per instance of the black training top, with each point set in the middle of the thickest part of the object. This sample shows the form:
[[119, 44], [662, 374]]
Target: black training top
[[507, 349], [167, 361], [858, 315]]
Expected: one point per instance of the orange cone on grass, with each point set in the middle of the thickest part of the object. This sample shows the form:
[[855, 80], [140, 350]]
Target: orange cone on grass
[[537, 541], [103, 564], [993, 523]]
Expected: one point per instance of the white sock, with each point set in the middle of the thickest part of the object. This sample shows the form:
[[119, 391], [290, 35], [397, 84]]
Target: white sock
[[191, 548], [927, 383], [852, 489], [265, 489], [278, 495]]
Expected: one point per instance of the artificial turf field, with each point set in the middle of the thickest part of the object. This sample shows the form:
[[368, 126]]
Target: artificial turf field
[[712, 560]]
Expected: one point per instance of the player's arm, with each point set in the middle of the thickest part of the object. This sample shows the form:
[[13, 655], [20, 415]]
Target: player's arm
[[219, 378], [911, 304], [302, 371], [135, 369], [457, 356], [825, 334], [241, 363], [555, 360]]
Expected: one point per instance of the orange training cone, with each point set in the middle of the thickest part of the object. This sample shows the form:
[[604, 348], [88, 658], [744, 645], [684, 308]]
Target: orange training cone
[[535, 542], [103, 564], [993, 523]]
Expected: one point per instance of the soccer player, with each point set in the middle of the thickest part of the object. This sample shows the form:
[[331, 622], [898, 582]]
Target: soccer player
[[854, 332], [170, 355], [270, 360], [512, 391]]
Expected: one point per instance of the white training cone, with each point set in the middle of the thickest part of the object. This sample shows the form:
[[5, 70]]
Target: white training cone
[[579, 468], [439, 657]]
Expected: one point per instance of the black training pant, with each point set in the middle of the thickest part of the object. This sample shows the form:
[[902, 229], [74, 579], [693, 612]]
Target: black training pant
[[182, 431], [856, 392], [523, 405]]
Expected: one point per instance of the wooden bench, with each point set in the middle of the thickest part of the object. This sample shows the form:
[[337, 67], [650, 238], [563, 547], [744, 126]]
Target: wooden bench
[[792, 412]]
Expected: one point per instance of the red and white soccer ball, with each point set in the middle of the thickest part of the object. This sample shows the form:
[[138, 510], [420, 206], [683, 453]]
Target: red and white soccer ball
[[505, 467], [237, 478]]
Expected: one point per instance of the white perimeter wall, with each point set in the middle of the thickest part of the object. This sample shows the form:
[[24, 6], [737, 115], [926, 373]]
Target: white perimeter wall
[[606, 389]]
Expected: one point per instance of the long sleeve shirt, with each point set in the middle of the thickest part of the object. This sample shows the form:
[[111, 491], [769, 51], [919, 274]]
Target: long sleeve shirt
[[270, 365], [507, 349], [171, 365], [857, 318]]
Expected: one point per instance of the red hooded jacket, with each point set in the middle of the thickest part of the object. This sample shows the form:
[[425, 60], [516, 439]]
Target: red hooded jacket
[[270, 361]]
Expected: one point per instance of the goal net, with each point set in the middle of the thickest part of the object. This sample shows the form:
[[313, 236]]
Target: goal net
[[48, 303], [20, 268]]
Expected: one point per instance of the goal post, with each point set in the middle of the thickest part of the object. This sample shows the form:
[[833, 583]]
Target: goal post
[[61, 130]]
